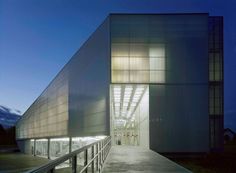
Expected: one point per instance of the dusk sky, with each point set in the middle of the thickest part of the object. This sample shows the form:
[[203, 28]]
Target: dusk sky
[[38, 37]]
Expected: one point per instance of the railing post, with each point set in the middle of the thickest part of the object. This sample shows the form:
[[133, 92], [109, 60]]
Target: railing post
[[52, 170], [86, 159], [100, 156], [74, 164], [97, 155], [102, 151], [105, 150], [70, 148], [92, 158]]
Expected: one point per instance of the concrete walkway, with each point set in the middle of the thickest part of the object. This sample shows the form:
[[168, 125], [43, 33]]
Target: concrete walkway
[[137, 159], [18, 162]]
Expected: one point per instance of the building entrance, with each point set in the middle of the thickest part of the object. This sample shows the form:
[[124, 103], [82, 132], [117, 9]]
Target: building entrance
[[130, 114]]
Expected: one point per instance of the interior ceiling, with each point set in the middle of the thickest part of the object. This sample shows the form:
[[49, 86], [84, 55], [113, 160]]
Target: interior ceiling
[[125, 99]]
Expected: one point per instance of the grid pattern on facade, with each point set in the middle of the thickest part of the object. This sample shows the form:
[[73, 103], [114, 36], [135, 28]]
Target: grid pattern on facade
[[48, 115], [138, 63], [216, 110]]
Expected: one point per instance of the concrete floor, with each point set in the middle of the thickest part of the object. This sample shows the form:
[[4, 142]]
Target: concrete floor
[[18, 162], [136, 159]]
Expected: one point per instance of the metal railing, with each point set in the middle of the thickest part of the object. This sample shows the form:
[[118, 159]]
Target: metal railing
[[101, 147]]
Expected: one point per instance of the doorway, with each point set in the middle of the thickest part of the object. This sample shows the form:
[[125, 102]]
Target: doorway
[[129, 106]]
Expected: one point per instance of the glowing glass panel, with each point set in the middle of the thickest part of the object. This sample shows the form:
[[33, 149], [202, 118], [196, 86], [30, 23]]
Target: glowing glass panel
[[138, 63]]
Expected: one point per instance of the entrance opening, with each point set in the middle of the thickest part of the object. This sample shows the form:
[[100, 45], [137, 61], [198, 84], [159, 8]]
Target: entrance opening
[[129, 107]]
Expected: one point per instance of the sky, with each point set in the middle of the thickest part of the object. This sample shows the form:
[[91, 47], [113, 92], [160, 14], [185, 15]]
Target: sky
[[38, 37]]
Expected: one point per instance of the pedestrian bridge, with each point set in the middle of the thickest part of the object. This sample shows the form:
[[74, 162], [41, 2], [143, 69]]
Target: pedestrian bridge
[[99, 157], [138, 159]]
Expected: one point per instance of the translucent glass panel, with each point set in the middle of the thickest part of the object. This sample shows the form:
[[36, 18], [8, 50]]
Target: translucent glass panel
[[59, 147], [138, 63], [48, 115], [41, 148], [216, 96], [215, 49], [89, 85], [216, 100], [159, 48]]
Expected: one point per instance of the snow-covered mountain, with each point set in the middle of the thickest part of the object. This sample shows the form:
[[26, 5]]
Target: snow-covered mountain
[[8, 116]]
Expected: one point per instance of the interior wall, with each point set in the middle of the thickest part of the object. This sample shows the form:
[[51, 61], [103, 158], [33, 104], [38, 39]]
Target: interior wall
[[143, 120]]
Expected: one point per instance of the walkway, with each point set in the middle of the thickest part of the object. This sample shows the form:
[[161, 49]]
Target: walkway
[[137, 159], [18, 162]]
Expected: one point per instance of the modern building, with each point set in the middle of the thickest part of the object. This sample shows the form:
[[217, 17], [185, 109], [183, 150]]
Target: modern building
[[152, 80]]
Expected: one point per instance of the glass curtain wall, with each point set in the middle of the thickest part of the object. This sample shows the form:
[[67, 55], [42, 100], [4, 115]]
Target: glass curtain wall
[[136, 56], [216, 95], [41, 147], [48, 115], [138, 63], [59, 147]]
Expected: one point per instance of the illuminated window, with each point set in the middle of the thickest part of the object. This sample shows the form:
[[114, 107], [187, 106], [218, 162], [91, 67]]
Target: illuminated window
[[138, 63]]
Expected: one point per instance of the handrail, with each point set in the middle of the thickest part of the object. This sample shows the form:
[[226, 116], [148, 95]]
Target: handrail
[[102, 150]]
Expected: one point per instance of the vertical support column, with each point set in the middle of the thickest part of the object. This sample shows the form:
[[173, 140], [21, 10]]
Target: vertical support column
[[86, 159], [34, 147], [48, 148], [70, 144]]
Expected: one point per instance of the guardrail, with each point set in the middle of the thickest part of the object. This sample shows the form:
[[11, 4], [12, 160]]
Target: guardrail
[[99, 152]]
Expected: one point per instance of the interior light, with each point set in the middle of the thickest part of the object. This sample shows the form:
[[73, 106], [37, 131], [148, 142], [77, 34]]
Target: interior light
[[125, 104], [128, 92], [127, 95], [136, 97], [133, 104], [128, 89], [140, 88], [138, 92], [135, 101], [117, 88]]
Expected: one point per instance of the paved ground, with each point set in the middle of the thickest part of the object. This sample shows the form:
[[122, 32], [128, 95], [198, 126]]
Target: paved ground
[[136, 159], [17, 162]]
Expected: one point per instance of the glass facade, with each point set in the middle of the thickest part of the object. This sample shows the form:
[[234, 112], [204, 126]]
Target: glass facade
[[170, 53], [41, 147], [89, 80], [216, 88], [137, 55], [138, 63], [175, 56], [48, 115]]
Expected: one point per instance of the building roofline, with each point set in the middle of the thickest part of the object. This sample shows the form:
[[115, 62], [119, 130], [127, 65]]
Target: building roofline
[[63, 67], [175, 13]]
